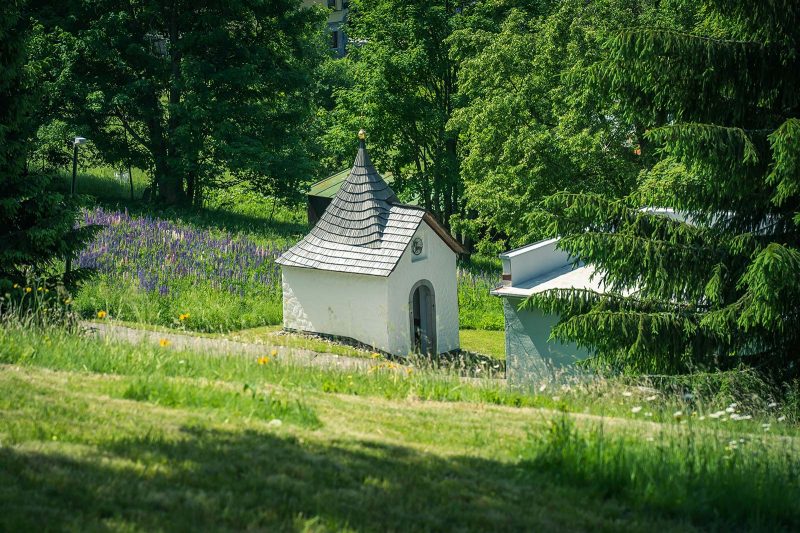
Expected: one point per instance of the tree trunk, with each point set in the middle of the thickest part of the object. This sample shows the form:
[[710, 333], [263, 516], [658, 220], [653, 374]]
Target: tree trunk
[[170, 176]]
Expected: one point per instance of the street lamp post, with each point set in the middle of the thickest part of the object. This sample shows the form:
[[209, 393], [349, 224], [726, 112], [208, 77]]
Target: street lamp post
[[75, 143]]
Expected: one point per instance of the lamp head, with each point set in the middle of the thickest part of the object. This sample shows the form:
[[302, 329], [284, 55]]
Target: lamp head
[[79, 140]]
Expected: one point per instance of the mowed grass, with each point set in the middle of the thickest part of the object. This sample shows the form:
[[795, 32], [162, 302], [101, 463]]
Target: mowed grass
[[491, 343], [105, 435]]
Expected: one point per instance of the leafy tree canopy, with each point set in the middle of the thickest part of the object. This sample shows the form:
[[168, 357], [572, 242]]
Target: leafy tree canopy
[[716, 285], [532, 120], [36, 223], [191, 91], [403, 85]]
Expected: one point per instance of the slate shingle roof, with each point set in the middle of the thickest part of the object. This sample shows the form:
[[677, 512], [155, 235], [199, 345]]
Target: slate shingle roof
[[364, 230]]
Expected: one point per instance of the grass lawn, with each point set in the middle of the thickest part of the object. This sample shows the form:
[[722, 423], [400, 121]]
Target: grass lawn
[[103, 435], [492, 343]]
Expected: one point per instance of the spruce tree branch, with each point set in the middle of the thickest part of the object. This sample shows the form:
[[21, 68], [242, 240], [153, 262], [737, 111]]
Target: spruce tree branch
[[650, 30]]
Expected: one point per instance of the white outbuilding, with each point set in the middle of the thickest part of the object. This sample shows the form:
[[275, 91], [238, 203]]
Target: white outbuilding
[[374, 270], [531, 355]]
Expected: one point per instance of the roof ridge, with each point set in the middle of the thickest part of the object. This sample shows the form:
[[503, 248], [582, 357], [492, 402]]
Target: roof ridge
[[365, 229]]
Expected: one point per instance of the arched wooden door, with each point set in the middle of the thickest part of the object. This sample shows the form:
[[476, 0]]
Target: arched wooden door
[[422, 311]]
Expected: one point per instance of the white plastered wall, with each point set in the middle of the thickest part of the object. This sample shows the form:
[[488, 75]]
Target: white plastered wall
[[438, 267], [336, 303]]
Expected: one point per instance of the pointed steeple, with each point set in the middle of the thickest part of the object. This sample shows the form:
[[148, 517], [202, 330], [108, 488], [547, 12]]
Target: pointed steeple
[[365, 229], [358, 213]]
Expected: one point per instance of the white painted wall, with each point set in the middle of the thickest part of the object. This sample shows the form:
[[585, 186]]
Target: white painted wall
[[530, 354], [439, 267], [337, 303]]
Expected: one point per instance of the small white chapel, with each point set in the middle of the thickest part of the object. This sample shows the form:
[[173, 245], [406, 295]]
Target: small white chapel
[[374, 270]]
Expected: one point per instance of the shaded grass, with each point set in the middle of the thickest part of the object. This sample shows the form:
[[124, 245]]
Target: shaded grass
[[77, 455], [101, 184], [134, 468]]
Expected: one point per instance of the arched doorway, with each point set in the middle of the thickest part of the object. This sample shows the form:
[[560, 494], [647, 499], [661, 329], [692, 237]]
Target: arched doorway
[[422, 311]]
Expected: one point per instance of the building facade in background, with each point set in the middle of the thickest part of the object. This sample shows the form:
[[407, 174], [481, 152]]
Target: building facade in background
[[337, 16]]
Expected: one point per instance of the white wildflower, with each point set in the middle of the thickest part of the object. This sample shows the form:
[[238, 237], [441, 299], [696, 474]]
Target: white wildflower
[[636, 409], [730, 409], [781, 418], [275, 423], [734, 405], [648, 414], [542, 387], [627, 394], [677, 414], [651, 398], [773, 404], [717, 414], [702, 418]]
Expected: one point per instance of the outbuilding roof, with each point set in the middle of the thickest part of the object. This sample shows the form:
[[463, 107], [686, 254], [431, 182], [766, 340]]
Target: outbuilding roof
[[540, 267], [365, 229]]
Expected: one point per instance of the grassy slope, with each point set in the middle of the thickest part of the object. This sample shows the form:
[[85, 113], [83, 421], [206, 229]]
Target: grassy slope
[[241, 213], [106, 435]]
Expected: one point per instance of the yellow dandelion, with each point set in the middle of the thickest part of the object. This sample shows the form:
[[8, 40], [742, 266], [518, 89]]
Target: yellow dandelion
[[263, 360], [28, 289], [16, 285], [40, 289], [274, 352], [376, 355], [163, 343], [183, 316], [101, 314]]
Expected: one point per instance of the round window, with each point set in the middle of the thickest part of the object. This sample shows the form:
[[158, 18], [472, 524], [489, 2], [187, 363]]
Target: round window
[[416, 245]]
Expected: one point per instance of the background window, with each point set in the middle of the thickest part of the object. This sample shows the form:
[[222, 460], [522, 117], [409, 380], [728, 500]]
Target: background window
[[334, 39], [332, 4]]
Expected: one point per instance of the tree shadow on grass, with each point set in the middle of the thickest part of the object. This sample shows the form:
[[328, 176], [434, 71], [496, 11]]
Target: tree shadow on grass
[[214, 480]]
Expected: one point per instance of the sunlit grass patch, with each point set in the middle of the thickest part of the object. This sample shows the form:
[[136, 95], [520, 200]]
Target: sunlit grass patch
[[245, 402], [735, 482]]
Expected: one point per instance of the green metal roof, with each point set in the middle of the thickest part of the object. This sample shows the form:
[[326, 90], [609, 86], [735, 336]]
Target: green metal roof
[[328, 187]]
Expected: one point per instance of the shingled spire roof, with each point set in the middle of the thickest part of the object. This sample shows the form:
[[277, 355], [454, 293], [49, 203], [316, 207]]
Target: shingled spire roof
[[365, 229]]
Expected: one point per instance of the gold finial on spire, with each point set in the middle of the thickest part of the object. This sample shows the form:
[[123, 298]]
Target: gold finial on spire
[[362, 134]]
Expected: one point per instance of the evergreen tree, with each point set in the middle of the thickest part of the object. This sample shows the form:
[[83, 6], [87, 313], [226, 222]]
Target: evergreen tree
[[717, 284], [35, 222]]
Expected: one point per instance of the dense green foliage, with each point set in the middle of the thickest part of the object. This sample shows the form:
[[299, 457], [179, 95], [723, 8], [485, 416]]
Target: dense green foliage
[[718, 284], [199, 94], [35, 221], [532, 122], [402, 92]]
